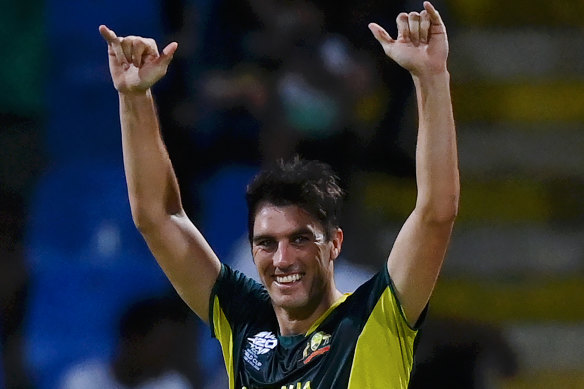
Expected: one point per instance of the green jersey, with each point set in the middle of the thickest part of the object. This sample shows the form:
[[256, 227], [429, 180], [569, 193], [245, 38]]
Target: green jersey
[[362, 341]]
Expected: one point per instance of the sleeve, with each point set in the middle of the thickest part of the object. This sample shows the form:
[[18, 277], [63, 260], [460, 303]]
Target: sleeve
[[236, 301], [384, 327], [380, 289], [231, 298]]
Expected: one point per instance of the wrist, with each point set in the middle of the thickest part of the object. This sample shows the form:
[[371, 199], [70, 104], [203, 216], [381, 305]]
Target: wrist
[[135, 93], [432, 79], [135, 98], [135, 101]]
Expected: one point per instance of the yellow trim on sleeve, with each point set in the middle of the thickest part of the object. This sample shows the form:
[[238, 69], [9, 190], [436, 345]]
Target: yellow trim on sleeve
[[225, 337], [384, 352]]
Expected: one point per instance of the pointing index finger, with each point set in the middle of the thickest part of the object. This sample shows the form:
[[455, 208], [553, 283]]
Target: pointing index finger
[[113, 41]]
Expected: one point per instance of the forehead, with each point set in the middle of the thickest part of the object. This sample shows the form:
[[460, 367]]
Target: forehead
[[272, 219]]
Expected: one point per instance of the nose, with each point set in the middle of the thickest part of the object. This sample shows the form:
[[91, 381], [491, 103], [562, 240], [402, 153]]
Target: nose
[[283, 256]]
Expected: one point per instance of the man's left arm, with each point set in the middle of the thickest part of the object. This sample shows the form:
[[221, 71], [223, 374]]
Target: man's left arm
[[419, 250]]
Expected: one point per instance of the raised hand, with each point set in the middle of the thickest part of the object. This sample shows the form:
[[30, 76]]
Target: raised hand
[[421, 45], [135, 63]]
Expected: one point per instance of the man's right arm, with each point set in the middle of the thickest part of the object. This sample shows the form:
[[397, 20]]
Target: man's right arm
[[180, 249]]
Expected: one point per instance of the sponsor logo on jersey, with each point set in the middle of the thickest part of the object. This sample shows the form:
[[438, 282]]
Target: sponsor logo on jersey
[[318, 344], [261, 343]]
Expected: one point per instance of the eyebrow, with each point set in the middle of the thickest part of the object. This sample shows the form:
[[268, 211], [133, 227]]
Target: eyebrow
[[300, 231], [258, 238]]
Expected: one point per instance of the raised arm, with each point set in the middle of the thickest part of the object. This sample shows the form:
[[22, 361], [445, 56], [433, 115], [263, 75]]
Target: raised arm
[[415, 260], [180, 249]]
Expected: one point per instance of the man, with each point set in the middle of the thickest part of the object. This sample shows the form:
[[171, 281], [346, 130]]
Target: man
[[297, 330]]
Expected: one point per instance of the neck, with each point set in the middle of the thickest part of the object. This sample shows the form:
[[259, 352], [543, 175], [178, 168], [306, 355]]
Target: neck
[[298, 321]]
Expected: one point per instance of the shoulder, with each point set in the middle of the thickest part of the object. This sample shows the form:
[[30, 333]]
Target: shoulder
[[374, 286], [234, 284], [377, 292], [233, 295]]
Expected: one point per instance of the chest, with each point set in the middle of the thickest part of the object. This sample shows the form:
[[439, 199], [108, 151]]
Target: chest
[[321, 359]]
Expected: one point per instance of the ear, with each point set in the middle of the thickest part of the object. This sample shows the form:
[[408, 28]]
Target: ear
[[337, 242]]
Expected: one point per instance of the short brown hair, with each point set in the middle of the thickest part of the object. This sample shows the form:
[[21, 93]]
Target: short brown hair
[[311, 185]]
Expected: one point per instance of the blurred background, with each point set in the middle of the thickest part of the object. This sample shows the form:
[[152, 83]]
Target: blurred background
[[83, 303]]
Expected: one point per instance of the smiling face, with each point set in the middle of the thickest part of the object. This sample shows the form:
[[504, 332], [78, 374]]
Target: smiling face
[[294, 260]]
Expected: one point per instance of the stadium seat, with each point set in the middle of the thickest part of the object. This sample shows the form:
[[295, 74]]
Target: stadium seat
[[87, 262]]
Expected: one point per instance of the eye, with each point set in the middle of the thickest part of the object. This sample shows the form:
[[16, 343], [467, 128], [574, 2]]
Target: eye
[[300, 239], [265, 244]]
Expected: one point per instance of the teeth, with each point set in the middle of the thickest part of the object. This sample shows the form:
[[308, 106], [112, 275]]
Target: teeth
[[287, 279]]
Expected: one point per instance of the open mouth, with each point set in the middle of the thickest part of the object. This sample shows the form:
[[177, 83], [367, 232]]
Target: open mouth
[[288, 279]]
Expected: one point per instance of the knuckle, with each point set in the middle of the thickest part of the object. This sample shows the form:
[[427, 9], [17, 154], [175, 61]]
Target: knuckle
[[126, 42], [137, 44], [152, 44]]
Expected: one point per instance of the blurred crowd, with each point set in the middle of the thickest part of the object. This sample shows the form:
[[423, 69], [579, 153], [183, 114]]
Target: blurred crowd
[[252, 81], [262, 79]]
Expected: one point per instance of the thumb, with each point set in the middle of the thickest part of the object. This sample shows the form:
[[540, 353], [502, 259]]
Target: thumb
[[167, 54], [380, 34]]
